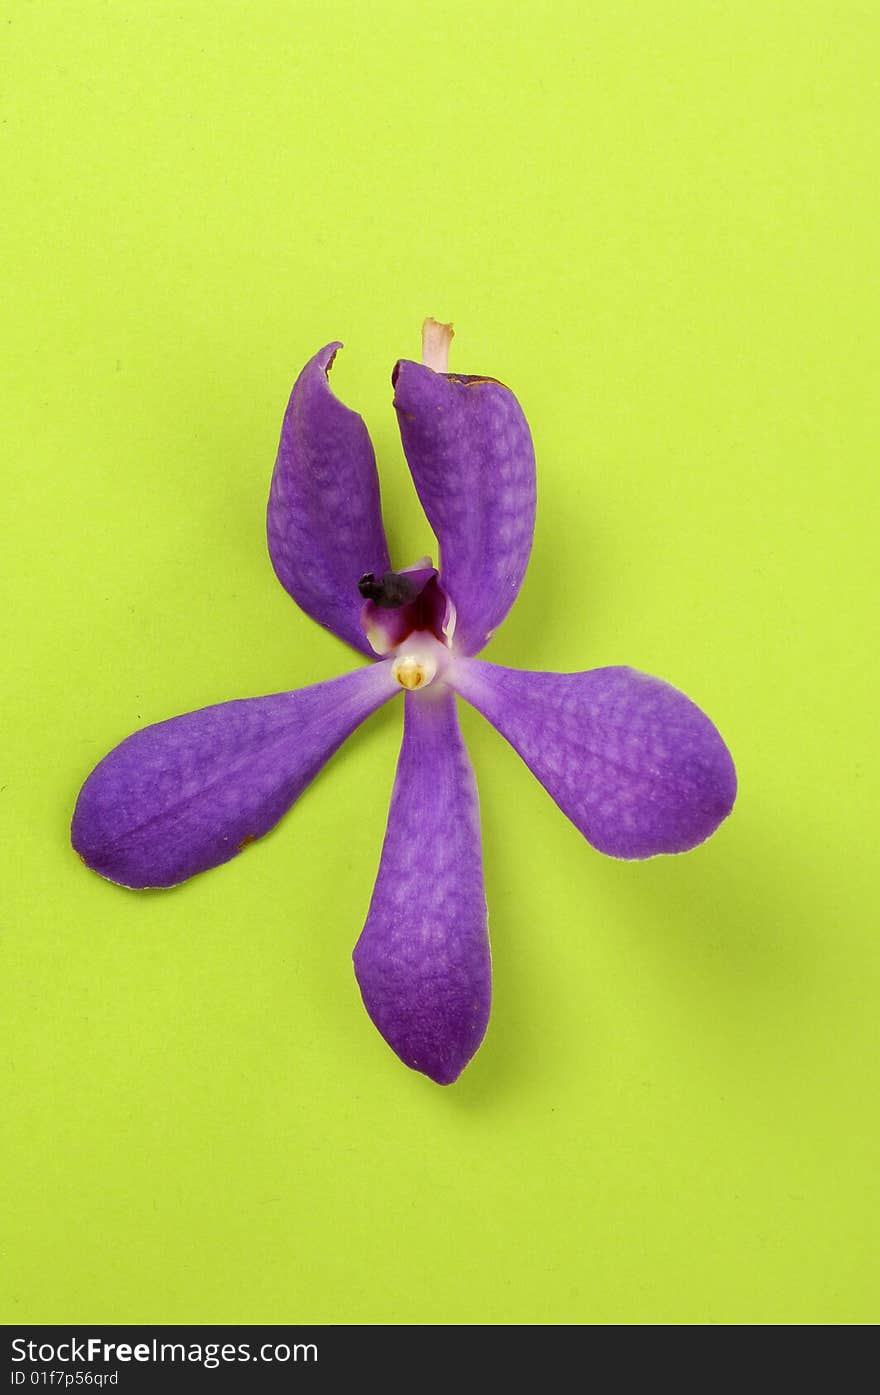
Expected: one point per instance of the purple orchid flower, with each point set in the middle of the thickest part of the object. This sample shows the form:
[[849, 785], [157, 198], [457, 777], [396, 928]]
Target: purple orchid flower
[[633, 763]]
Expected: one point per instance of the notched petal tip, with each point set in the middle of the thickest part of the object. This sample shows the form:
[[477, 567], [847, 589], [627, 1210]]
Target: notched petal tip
[[326, 357]]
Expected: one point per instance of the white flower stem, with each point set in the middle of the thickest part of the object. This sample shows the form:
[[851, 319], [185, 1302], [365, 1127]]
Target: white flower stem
[[436, 339]]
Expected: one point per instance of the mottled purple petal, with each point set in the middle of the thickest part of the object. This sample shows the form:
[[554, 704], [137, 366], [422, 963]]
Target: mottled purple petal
[[471, 456], [189, 793], [324, 520], [422, 961], [635, 765]]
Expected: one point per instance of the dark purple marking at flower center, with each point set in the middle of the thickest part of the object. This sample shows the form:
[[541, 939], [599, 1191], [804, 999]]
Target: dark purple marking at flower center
[[392, 590], [398, 604]]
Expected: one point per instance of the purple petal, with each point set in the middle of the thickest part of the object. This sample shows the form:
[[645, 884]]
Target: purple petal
[[422, 961], [471, 456], [633, 763], [324, 520], [190, 793]]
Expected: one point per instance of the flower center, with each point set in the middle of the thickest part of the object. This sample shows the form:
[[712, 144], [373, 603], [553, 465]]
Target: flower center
[[400, 604], [419, 660], [411, 672]]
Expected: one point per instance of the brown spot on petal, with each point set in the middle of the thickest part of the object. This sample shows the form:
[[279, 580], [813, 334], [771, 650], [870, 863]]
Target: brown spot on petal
[[246, 842]]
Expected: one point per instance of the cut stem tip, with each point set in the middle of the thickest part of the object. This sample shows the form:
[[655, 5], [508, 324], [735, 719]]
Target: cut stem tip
[[436, 339]]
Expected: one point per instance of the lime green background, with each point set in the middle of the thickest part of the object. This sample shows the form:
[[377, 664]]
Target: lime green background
[[658, 223]]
